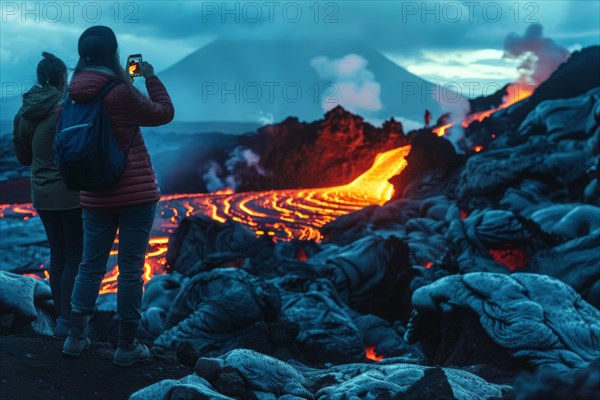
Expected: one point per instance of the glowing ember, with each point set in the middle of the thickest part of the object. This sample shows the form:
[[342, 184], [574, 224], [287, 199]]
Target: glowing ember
[[513, 258], [302, 254], [33, 276], [371, 354], [46, 274], [477, 149]]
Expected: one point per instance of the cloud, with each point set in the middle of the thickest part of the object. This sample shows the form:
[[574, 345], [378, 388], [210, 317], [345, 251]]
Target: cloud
[[471, 73], [462, 56], [463, 71], [355, 87]]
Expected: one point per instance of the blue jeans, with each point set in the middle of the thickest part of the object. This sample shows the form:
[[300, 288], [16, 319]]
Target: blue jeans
[[100, 228]]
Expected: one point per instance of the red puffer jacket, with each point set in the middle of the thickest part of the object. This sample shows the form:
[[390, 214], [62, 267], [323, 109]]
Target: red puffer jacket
[[128, 109]]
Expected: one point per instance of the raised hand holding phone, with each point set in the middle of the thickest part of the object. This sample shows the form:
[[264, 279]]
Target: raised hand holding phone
[[147, 69], [134, 62]]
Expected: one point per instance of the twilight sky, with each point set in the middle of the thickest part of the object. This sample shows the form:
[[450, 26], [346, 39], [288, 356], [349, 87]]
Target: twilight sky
[[442, 41]]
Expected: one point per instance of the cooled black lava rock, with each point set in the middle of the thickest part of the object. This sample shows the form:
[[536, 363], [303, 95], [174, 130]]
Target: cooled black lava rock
[[208, 369], [548, 384], [537, 319], [433, 384], [369, 274], [252, 375], [200, 244], [428, 153], [214, 311]]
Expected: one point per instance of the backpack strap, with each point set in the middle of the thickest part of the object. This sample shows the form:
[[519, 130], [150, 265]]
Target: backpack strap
[[103, 92], [106, 88]]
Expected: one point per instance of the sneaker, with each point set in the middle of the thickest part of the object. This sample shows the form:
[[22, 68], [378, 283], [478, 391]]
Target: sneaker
[[127, 355], [61, 329], [74, 346]]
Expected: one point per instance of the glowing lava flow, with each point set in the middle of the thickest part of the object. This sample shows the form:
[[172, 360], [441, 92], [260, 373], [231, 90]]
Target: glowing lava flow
[[27, 211], [295, 213], [514, 92], [279, 214], [155, 263]]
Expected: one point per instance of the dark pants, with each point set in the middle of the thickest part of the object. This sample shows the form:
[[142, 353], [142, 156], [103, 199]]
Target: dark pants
[[64, 229], [100, 228]]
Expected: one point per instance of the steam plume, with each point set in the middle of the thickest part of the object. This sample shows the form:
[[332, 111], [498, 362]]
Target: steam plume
[[355, 86], [540, 55]]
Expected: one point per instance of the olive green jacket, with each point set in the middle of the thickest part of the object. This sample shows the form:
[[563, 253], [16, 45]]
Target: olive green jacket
[[33, 137]]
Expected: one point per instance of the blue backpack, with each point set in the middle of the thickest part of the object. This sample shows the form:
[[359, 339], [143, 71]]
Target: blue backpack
[[86, 150]]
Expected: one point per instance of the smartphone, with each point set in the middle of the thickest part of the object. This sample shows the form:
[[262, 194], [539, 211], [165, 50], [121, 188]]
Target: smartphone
[[134, 65]]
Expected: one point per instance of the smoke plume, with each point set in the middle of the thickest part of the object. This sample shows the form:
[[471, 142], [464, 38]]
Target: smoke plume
[[540, 55], [355, 87]]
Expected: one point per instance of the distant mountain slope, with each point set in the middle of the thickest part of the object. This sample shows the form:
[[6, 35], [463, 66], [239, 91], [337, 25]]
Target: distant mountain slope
[[247, 80]]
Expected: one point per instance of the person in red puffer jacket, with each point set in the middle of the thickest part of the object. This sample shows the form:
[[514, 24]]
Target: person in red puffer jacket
[[129, 206]]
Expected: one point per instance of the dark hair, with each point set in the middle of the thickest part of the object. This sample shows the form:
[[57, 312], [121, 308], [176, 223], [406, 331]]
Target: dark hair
[[51, 71], [111, 62], [98, 47]]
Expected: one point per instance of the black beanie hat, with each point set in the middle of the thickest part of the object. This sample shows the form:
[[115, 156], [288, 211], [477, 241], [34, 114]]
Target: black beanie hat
[[96, 43]]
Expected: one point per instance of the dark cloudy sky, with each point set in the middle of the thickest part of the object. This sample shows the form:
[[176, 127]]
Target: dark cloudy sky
[[439, 40]]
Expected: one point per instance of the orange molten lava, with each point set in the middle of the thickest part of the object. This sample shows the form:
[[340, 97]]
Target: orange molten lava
[[27, 210], [441, 131], [294, 213], [155, 264], [514, 92], [371, 354], [109, 283]]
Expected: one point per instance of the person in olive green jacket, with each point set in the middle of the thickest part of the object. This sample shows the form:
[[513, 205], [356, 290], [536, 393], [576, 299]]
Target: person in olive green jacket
[[58, 207]]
